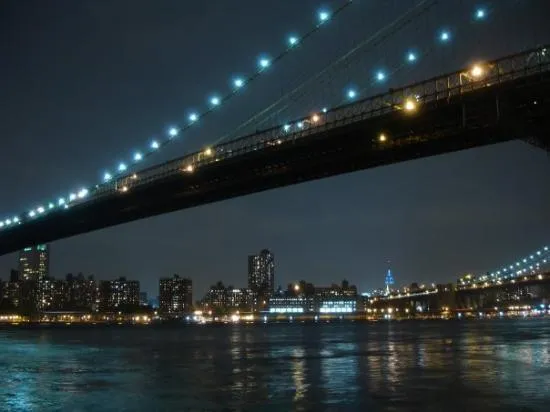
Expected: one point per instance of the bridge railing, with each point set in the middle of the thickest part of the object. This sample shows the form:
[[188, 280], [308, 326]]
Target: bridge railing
[[441, 88]]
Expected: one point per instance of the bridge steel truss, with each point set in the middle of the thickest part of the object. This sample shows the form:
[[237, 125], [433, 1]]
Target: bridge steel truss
[[441, 89], [455, 111]]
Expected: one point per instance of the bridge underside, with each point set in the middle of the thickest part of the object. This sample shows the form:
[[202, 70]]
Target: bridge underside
[[516, 110]]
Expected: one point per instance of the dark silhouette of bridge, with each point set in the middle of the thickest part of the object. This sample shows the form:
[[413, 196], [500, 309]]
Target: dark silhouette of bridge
[[492, 102]]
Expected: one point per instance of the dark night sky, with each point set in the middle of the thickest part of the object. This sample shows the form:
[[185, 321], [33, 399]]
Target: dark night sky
[[83, 83]]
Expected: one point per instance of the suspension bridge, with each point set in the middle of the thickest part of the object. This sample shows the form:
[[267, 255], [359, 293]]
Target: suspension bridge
[[488, 102]]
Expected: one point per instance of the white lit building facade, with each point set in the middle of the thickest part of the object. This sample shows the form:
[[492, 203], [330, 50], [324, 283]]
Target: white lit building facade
[[291, 305], [304, 299]]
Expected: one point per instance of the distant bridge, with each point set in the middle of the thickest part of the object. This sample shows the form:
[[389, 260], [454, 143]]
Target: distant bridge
[[502, 293]]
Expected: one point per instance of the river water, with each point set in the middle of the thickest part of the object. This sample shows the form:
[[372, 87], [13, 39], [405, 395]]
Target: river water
[[396, 366]]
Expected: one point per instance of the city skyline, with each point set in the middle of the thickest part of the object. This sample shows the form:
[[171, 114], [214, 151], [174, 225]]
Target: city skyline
[[436, 218], [260, 276]]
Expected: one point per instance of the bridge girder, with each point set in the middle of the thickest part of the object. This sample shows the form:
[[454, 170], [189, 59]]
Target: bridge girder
[[482, 117]]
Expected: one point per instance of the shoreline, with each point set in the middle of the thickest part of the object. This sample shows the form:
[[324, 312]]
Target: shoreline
[[185, 324]]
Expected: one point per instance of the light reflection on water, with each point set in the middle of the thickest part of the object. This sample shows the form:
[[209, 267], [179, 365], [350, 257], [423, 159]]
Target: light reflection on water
[[431, 366]]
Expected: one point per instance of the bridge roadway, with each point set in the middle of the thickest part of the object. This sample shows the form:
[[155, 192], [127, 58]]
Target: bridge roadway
[[452, 112]]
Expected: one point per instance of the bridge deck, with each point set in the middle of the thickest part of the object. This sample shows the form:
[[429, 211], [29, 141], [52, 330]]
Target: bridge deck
[[510, 103]]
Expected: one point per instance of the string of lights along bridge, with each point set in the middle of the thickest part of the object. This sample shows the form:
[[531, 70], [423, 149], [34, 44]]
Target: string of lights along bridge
[[412, 56], [265, 61], [381, 75], [522, 266]]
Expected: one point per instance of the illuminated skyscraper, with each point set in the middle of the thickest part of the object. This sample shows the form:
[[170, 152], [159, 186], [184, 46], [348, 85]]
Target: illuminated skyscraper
[[34, 262], [261, 273], [389, 281]]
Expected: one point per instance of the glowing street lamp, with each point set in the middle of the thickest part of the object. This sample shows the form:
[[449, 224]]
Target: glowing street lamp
[[477, 71], [410, 105]]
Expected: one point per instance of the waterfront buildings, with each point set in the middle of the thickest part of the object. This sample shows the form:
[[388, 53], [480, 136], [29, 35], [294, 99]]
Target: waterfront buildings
[[82, 292], [51, 294], [175, 296], [117, 294], [243, 299], [284, 303], [216, 298], [305, 298], [11, 294], [222, 299], [31, 293]]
